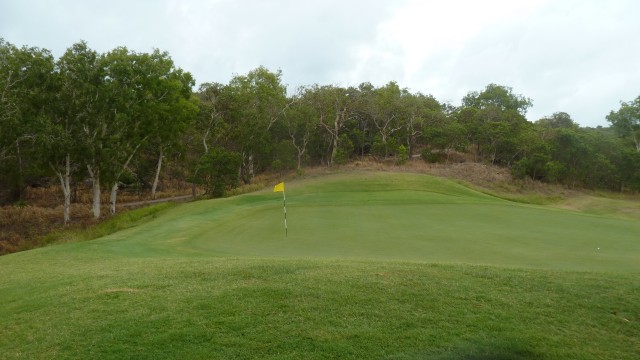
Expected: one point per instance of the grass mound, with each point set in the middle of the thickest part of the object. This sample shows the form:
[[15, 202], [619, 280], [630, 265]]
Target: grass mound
[[387, 216], [376, 265]]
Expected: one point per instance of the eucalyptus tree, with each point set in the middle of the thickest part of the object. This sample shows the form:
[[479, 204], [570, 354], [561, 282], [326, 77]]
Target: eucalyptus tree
[[422, 115], [334, 106], [83, 100], [148, 104], [384, 109], [124, 126], [168, 106], [301, 120], [626, 121], [25, 86], [495, 118], [256, 101], [210, 123]]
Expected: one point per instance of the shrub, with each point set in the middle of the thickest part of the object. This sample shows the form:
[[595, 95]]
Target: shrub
[[428, 156], [217, 170], [403, 154]]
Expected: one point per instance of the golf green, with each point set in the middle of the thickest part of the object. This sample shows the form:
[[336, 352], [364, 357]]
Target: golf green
[[385, 216]]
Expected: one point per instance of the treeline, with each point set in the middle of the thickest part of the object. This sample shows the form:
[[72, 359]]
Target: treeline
[[115, 118]]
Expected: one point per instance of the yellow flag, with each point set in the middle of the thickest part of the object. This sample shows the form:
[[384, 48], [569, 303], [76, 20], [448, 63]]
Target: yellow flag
[[279, 187]]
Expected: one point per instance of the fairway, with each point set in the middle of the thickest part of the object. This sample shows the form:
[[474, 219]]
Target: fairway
[[375, 265]]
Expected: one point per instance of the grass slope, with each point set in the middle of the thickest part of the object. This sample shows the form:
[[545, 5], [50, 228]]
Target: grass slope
[[387, 216], [354, 279]]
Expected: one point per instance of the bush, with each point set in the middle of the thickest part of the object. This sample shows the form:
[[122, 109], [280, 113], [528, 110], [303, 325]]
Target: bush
[[403, 154], [345, 149], [428, 156], [218, 170], [555, 171], [285, 156]]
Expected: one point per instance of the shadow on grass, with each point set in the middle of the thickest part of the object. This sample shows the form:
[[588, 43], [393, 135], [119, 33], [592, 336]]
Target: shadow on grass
[[481, 350]]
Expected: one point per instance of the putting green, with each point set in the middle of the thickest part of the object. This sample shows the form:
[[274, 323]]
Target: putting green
[[384, 216]]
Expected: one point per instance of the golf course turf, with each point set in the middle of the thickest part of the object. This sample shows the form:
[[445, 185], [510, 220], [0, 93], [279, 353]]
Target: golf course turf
[[374, 265]]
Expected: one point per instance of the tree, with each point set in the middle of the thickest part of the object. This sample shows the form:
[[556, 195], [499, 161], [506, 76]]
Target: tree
[[211, 118], [82, 105], [256, 101], [384, 110], [495, 120], [301, 119], [421, 113], [25, 89], [217, 170], [167, 105], [626, 121], [497, 97], [334, 106]]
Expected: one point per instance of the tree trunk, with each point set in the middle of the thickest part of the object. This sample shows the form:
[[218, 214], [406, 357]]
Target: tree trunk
[[114, 188], [112, 199], [95, 181], [636, 141], [334, 150], [251, 167], [300, 158], [66, 188], [155, 180]]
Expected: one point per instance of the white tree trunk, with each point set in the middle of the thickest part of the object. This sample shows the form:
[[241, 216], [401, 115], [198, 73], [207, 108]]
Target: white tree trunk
[[636, 141], [114, 188], [300, 154], [334, 150], [112, 199], [336, 131], [155, 180], [251, 174], [65, 183], [95, 180]]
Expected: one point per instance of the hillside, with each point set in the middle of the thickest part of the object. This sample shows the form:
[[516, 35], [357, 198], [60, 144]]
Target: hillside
[[376, 264], [26, 226]]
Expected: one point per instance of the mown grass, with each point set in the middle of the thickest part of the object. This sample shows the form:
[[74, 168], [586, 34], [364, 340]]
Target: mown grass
[[387, 216], [376, 265], [79, 305], [119, 222]]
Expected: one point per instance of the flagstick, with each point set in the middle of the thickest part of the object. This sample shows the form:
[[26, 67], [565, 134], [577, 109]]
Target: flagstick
[[284, 205]]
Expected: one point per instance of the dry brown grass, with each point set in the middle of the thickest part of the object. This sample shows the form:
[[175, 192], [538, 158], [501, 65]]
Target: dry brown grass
[[23, 227]]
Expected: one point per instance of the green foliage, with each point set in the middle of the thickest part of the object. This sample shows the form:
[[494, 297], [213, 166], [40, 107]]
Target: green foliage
[[102, 115], [217, 171], [429, 156], [27, 89], [626, 121], [345, 149], [555, 171], [285, 155], [403, 155], [497, 97]]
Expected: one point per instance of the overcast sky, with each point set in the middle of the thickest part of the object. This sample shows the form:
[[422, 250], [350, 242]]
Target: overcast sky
[[581, 57]]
